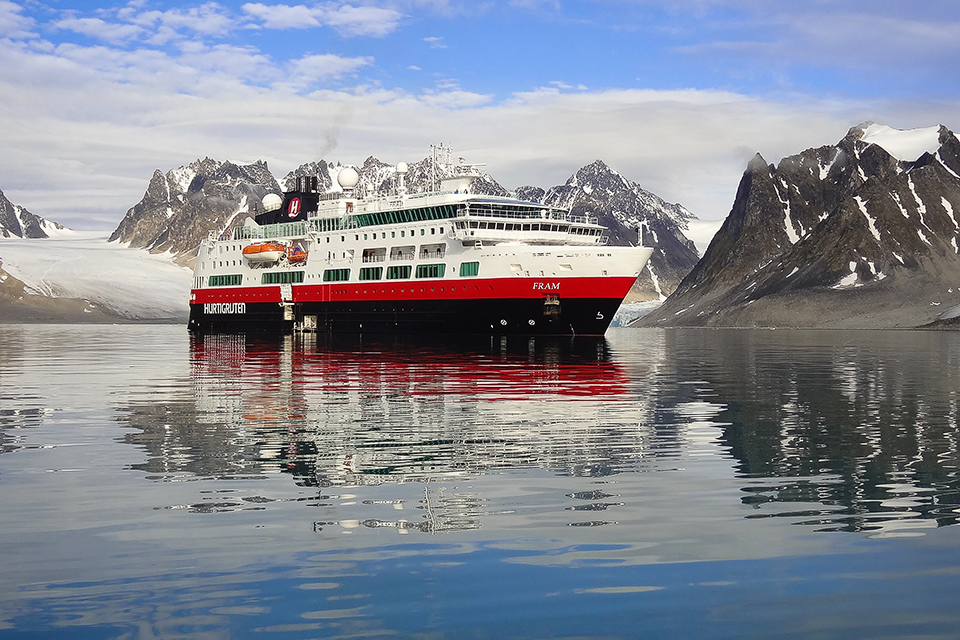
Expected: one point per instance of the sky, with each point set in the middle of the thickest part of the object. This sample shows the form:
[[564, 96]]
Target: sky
[[676, 95]]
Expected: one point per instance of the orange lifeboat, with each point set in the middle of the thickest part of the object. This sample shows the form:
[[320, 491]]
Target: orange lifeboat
[[262, 252], [296, 255]]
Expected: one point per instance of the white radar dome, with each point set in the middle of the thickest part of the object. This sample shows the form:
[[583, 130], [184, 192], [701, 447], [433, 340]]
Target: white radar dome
[[272, 202], [402, 167], [348, 178]]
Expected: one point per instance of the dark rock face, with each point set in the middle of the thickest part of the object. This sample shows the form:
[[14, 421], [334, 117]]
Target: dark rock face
[[530, 194], [844, 236], [625, 208], [15, 221], [183, 205]]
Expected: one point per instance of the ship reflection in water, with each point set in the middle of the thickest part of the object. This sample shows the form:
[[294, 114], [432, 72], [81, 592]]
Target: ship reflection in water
[[338, 413], [804, 426]]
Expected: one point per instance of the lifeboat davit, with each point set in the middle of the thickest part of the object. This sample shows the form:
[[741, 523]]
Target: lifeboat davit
[[261, 252], [296, 255]]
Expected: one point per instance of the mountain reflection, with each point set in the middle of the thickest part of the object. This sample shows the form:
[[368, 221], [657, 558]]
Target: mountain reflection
[[861, 428], [20, 407]]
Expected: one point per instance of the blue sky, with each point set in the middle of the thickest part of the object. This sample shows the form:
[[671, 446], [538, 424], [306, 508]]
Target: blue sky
[[675, 95]]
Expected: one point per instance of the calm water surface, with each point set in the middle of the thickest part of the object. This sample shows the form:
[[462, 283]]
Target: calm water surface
[[662, 484]]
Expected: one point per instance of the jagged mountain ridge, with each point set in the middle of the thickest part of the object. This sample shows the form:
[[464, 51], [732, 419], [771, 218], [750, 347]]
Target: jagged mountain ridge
[[16, 221], [180, 207], [183, 205], [377, 176], [843, 236]]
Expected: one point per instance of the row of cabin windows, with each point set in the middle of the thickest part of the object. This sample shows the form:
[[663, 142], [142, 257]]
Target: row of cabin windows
[[231, 280], [516, 226], [336, 275], [282, 277], [407, 215], [353, 221], [393, 234], [371, 273], [431, 270], [398, 272]]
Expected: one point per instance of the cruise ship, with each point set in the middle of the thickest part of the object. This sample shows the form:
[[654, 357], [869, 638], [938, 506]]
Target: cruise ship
[[445, 261]]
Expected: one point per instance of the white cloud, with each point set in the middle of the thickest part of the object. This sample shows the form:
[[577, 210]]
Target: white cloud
[[435, 42], [130, 23], [847, 34], [362, 21], [454, 98], [12, 23], [310, 69], [281, 16], [208, 19], [345, 19], [98, 29]]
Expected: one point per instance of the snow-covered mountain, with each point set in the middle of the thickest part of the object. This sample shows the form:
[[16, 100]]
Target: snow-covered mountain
[[860, 234], [17, 222], [627, 209], [183, 205]]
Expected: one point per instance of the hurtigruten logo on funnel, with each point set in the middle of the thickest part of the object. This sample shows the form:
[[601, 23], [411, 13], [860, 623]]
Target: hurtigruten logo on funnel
[[225, 307], [294, 209]]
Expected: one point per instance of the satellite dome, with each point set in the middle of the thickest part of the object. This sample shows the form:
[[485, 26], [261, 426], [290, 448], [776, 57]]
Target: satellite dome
[[348, 178], [272, 202], [402, 167]]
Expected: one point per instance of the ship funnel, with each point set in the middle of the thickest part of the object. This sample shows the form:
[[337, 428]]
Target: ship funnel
[[307, 184], [402, 169]]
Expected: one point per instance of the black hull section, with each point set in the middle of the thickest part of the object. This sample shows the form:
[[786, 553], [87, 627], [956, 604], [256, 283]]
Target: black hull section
[[510, 317]]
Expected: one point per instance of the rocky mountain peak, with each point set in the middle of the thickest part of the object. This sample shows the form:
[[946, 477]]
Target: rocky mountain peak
[[16, 221], [624, 207], [758, 165], [180, 207], [529, 193], [874, 219]]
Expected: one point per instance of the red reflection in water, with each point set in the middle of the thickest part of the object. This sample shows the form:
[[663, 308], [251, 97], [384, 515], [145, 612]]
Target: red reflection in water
[[514, 370]]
